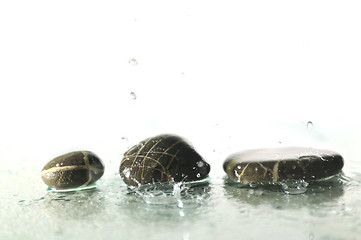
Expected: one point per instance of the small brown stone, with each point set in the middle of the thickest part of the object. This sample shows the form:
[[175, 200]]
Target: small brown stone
[[71, 170]]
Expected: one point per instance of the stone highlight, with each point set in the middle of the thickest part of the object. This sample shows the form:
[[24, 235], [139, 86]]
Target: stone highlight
[[72, 170], [163, 158], [282, 164]]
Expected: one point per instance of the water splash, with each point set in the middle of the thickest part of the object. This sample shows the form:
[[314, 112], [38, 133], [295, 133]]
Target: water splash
[[294, 187], [160, 193], [180, 194], [309, 125]]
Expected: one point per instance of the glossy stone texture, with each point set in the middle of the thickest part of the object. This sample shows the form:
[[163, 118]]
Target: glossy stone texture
[[72, 170], [162, 158], [282, 164]]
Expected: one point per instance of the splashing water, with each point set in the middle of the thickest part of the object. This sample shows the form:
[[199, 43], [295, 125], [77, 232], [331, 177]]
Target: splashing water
[[159, 194], [181, 194], [294, 187]]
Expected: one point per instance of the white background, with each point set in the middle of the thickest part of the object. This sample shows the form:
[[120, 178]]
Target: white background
[[227, 75]]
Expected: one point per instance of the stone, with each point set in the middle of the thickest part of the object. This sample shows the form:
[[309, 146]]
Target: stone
[[163, 158], [282, 164], [72, 170]]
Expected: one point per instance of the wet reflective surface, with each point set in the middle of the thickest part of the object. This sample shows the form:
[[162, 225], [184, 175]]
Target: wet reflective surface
[[328, 209]]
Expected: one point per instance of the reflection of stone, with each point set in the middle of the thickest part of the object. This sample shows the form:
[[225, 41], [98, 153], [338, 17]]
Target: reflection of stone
[[73, 205], [318, 193], [281, 164]]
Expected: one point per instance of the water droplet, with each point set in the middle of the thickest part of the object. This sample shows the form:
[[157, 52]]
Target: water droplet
[[198, 175], [294, 187], [200, 164], [57, 165], [133, 96], [239, 167], [180, 203], [133, 62], [126, 173], [309, 125]]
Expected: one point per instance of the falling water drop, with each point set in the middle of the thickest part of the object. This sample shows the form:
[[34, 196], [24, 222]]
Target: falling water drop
[[124, 140], [133, 62], [309, 125], [133, 96]]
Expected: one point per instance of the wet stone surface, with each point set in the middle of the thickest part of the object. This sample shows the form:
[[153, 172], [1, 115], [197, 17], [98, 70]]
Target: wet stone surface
[[163, 158], [282, 164], [72, 170]]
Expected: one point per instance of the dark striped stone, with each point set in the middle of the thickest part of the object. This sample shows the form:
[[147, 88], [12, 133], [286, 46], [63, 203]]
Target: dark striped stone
[[162, 158], [71, 170], [282, 164]]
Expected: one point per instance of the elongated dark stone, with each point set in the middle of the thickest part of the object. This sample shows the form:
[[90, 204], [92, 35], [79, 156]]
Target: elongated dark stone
[[162, 158], [281, 164], [71, 170]]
